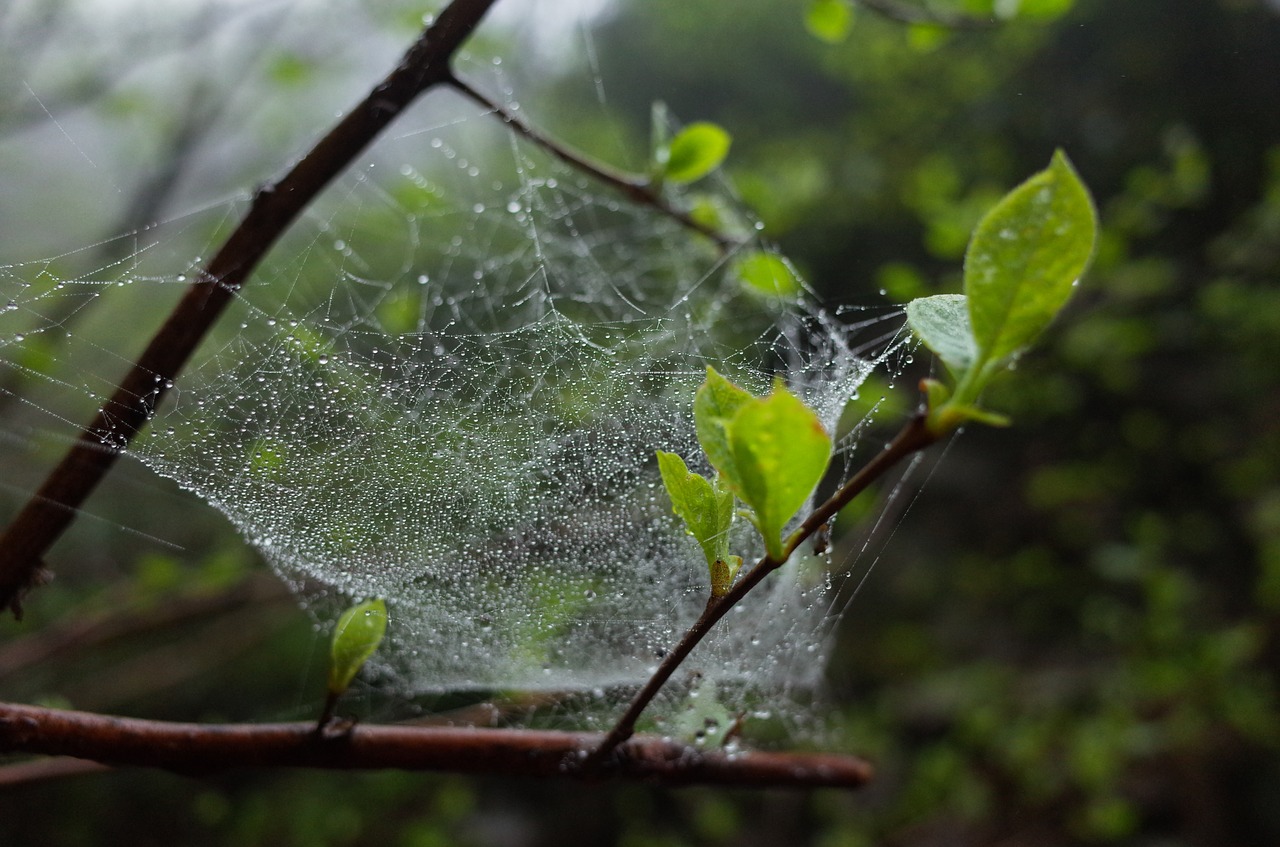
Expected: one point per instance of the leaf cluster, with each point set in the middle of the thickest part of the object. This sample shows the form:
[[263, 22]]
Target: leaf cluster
[[1024, 259], [768, 452]]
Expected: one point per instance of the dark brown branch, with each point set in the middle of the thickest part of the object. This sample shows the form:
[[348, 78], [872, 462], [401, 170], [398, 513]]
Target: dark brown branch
[[635, 188], [914, 436], [52, 508], [201, 748]]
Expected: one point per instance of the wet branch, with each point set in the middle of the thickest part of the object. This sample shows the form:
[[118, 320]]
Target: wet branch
[[635, 188], [52, 508], [203, 748], [914, 436]]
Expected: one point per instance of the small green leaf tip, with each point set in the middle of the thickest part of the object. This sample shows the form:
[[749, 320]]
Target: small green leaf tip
[[694, 152], [356, 636]]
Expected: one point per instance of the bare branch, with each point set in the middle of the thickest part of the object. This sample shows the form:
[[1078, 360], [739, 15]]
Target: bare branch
[[126, 619], [202, 748], [635, 188], [52, 508], [913, 437], [906, 14]]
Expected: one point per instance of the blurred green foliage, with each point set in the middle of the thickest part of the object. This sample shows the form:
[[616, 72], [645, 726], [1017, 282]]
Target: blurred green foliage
[[1074, 633]]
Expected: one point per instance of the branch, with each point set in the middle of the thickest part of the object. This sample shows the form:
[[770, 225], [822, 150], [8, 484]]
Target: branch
[[904, 14], [127, 618], [52, 508], [202, 748], [42, 770], [914, 436], [635, 188]]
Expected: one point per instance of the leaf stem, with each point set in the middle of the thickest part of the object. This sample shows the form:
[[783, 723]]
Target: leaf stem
[[914, 436]]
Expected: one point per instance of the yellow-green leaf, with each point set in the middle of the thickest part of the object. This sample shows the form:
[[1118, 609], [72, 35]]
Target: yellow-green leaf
[[356, 636], [696, 151], [705, 506], [942, 323], [767, 273], [780, 452], [1025, 257], [714, 406], [829, 20]]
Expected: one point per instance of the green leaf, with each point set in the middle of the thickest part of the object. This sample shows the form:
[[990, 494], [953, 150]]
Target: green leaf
[[714, 406], [927, 37], [291, 69], [780, 452], [706, 507], [696, 151], [1025, 257], [767, 273], [357, 634], [942, 323], [829, 20]]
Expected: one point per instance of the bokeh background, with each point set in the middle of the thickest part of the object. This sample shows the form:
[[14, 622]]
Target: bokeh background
[[1073, 634]]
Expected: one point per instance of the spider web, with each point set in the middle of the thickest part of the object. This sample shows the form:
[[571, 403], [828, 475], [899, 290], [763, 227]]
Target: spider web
[[446, 389]]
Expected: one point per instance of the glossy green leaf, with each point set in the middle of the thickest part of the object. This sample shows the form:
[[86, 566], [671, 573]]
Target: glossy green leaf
[[694, 152], [829, 20], [767, 273], [780, 452], [1025, 257], [942, 323], [714, 406], [355, 637], [705, 506]]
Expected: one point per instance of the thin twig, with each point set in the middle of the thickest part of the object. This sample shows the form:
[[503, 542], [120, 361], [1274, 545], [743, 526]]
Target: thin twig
[[52, 508], [126, 618], [42, 770], [904, 14], [636, 188], [914, 436], [201, 748]]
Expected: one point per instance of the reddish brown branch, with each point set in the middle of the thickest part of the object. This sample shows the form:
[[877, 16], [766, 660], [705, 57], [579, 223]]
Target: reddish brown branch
[[202, 748], [52, 508], [914, 436], [635, 188]]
